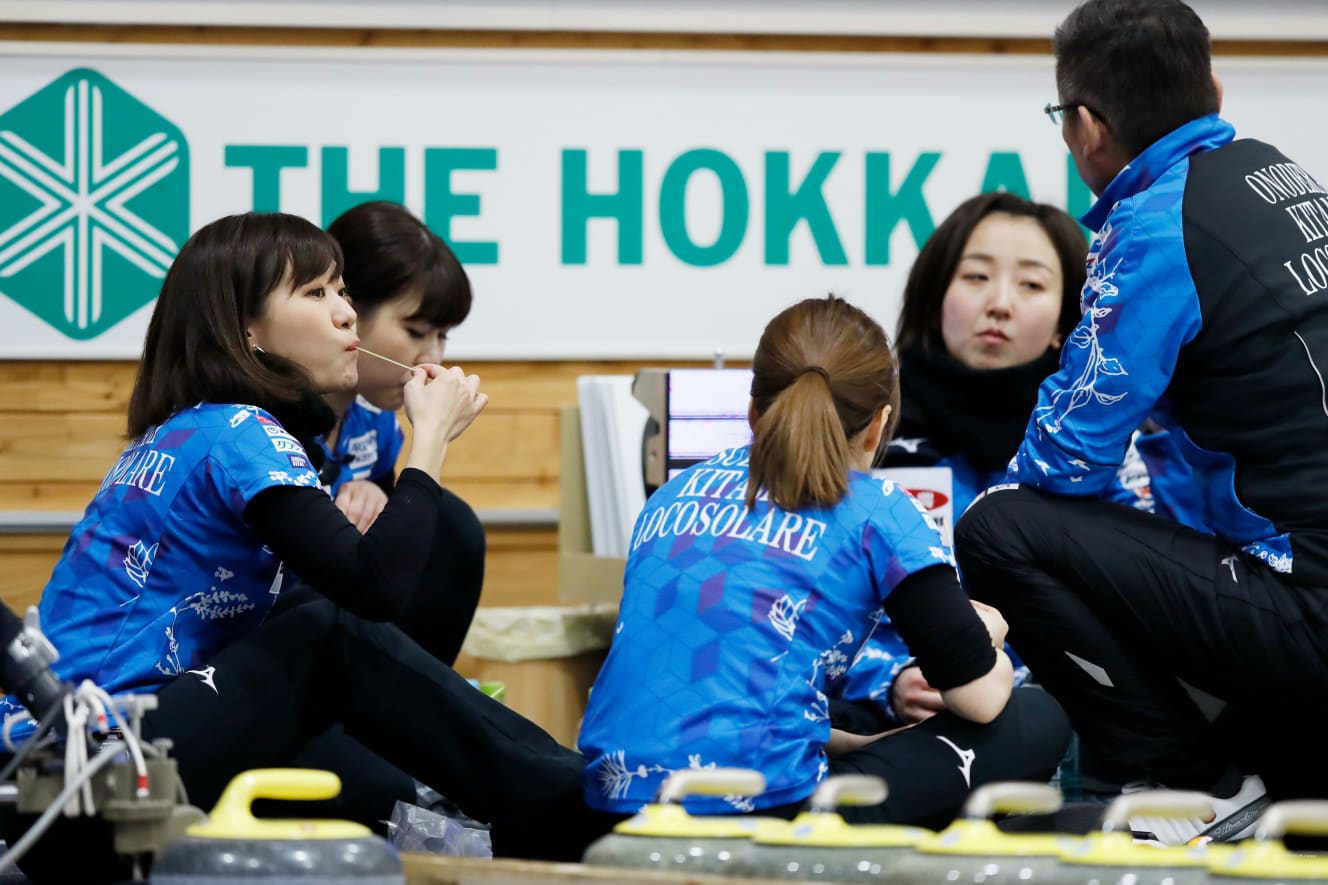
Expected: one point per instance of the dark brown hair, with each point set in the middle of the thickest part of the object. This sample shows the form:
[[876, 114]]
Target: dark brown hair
[[389, 253], [1143, 67], [196, 348], [934, 268], [822, 371]]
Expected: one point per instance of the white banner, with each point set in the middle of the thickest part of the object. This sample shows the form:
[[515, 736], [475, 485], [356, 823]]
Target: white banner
[[607, 205]]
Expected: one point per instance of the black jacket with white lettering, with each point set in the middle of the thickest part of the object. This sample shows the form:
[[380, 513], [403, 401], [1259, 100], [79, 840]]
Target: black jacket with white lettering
[[1206, 309]]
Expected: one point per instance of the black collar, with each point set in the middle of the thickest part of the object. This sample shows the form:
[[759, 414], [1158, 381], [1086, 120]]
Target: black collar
[[979, 414]]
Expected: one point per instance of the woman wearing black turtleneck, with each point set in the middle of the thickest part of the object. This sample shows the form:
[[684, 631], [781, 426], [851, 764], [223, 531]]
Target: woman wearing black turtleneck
[[989, 300]]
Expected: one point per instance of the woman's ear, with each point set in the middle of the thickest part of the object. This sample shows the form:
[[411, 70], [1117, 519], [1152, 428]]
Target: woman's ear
[[876, 429], [1055, 341]]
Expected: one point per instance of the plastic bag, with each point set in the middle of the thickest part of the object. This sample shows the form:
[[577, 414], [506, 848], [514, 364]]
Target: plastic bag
[[524, 633], [419, 830]]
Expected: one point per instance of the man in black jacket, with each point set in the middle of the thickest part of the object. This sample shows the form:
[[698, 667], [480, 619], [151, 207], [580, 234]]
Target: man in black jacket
[[1206, 311]]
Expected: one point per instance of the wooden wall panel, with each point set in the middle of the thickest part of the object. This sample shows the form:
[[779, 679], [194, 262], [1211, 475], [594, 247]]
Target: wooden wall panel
[[62, 427], [82, 446], [40, 386], [520, 565], [25, 564]]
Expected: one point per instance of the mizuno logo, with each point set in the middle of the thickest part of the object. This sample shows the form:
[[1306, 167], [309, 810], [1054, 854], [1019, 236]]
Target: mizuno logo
[[966, 758], [206, 675]]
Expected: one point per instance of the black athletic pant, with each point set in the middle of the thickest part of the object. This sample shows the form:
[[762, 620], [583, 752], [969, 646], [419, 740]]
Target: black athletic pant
[[1110, 606], [437, 617], [931, 768], [312, 665], [439, 614]]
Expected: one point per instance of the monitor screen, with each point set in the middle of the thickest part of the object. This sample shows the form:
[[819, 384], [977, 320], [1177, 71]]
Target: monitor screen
[[706, 413]]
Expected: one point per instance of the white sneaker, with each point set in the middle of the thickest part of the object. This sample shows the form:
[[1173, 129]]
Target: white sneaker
[[1233, 819]]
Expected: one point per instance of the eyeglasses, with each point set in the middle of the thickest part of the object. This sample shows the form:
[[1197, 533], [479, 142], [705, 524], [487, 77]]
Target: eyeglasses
[[1056, 112]]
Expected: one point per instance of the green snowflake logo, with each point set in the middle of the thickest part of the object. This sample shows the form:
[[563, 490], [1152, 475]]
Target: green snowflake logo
[[94, 203]]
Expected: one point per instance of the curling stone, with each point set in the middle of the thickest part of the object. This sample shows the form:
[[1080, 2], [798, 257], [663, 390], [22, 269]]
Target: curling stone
[[1112, 857], [233, 846], [663, 836], [972, 850], [1265, 859], [819, 844]]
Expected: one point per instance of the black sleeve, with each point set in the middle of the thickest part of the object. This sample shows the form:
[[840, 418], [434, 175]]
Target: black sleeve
[[387, 482], [372, 575], [936, 621], [859, 717]]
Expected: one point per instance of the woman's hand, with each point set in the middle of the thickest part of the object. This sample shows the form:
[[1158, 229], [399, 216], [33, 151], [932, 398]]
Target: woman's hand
[[446, 400], [912, 697], [361, 501], [994, 621]]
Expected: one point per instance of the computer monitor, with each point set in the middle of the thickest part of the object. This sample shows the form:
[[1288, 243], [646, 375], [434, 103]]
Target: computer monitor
[[694, 413], [698, 412], [707, 413]]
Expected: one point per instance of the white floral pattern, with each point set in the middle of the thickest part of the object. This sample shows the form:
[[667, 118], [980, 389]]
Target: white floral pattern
[[784, 614], [138, 562], [1099, 365], [1278, 562], [616, 776]]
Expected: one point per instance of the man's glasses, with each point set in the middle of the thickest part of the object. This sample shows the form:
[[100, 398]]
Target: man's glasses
[[1056, 112]]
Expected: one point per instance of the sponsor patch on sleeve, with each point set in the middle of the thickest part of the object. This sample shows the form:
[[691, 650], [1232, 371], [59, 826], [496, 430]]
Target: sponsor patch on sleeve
[[286, 444]]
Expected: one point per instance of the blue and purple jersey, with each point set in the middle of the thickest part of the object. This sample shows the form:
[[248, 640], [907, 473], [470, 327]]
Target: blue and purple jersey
[[368, 443], [733, 622], [162, 571]]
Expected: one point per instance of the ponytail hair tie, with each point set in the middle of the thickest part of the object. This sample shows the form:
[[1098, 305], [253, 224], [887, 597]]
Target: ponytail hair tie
[[820, 370]]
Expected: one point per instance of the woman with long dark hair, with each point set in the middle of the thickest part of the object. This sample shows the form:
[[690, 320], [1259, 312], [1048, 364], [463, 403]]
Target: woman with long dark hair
[[167, 583]]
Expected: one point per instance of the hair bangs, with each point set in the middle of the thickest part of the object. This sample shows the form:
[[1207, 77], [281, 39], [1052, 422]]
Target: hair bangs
[[295, 252], [444, 292], [305, 252], [309, 255]]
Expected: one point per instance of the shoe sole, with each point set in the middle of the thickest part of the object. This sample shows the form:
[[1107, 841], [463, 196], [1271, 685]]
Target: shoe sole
[[1237, 824]]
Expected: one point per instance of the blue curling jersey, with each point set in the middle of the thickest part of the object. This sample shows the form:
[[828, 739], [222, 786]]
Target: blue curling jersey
[[732, 624], [367, 446], [162, 571]]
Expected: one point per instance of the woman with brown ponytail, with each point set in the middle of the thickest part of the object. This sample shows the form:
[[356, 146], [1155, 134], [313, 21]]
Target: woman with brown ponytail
[[753, 580]]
